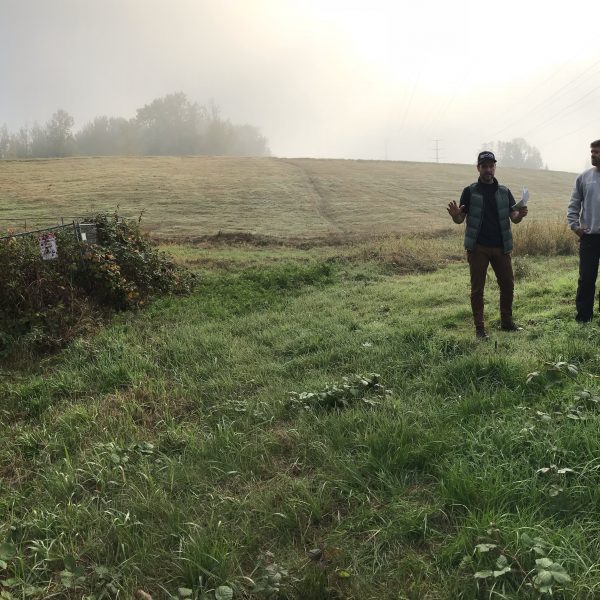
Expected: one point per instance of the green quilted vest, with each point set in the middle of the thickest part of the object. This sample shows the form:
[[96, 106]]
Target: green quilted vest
[[475, 217]]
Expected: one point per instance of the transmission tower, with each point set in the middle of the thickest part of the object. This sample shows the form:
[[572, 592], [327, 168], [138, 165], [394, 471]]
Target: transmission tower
[[437, 150]]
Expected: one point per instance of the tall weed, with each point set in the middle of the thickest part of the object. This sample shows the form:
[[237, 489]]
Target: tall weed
[[404, 255], [545, 238]]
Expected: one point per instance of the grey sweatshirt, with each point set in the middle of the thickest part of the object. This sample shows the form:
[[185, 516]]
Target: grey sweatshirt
[[584, 207]]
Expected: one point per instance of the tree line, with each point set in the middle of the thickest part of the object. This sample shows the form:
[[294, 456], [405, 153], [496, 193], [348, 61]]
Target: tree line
[[516, 153], [171, 125]]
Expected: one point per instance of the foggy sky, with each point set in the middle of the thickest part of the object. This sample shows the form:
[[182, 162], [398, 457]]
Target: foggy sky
[[334, 79]]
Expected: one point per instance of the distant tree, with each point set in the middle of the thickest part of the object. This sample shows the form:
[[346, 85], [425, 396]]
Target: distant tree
[[516, 153], [170, 125], [19, 144], [218, 136], [248, 141], [59, 134], [4, 141], [105, 136], [39, 144], [222, 137]]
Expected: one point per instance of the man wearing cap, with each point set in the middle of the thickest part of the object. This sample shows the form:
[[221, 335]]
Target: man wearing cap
[[583, 217], [487, 206]]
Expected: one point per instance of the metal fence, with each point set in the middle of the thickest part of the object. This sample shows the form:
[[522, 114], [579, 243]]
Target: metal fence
[[83, 232], [32, 223], [25, 223], [41, 230]]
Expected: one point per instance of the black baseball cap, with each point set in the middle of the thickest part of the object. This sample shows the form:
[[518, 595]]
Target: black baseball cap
[[485, 155]]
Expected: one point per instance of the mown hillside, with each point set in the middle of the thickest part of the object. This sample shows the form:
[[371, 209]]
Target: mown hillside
[[196, 196]]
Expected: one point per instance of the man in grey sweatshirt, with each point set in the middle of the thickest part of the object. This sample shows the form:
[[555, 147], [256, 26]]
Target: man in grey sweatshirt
[[583, 216]]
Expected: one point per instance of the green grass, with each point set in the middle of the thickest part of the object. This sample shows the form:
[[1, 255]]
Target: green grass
[[168, 451], [190, 197]]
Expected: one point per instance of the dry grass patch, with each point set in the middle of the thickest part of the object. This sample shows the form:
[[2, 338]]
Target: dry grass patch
[[407, 254], [547, 238]]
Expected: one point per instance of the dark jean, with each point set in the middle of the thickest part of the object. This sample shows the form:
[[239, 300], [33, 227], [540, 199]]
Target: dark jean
[[589, 255], [479, 259]]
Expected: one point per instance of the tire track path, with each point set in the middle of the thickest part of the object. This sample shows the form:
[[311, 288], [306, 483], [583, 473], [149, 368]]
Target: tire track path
[[320, 203]]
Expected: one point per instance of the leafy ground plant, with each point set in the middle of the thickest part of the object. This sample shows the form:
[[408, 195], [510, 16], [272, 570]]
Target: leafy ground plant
[[353, 391], [509, 568]]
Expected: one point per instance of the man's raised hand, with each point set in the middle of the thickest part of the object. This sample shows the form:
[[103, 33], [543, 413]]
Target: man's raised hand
[[455, 212]]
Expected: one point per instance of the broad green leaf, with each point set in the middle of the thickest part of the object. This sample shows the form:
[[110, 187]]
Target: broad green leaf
[[70, 563], [102, 571], [185, 592], [485, 547], [32, 590], [561, 576], [342, 574], [543, 563], [543, 578], [7, 551], [502, 571], [483, 574], [501, 562], [66, 578], [223, 592], [527, 539]]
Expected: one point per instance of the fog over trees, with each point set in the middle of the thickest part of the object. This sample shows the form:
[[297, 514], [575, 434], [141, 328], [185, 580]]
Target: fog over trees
[[171, 125], [516, 153]]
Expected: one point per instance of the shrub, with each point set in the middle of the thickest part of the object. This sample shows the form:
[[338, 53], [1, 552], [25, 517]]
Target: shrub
[[124, 269], [44, 303]]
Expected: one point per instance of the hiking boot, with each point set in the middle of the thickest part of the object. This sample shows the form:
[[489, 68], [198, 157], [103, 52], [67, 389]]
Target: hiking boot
[[510, 327], [481, 334]]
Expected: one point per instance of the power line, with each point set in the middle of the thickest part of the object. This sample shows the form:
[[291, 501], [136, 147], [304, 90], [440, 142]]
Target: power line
[[550, 98], [561, 137], [436, 117], [411, 97], [549, 119]]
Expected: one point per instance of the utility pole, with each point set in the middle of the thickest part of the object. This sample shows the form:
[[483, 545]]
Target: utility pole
[[437, 150]]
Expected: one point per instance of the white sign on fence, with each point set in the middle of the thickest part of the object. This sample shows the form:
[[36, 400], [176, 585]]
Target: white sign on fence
[[48, 246]]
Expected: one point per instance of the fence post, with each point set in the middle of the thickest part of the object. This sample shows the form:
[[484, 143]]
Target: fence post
[[77, 232]]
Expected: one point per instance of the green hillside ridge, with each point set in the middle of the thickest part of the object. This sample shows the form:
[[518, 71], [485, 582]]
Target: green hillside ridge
[[197, 196]]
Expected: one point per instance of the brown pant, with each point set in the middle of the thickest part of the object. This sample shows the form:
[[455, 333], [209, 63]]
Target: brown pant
[[479, 259]]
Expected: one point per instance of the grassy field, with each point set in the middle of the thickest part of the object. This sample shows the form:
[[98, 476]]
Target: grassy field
[[197, 196], [317, 420], [223, 443]]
